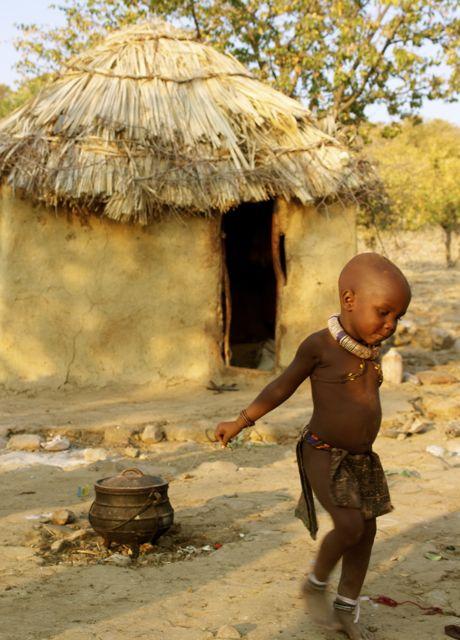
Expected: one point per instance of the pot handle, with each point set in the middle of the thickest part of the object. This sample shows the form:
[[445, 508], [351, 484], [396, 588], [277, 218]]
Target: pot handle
[[133, 470]]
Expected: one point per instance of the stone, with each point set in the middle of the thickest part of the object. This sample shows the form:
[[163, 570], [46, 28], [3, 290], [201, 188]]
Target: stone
[[119, 560], [436, 377], [267, 356], [438, 598], [131, 452], [191, 431], [436, 450], [219, 467], [153, 433], [95, 455], [392, 367], [63, 516], [419, 426], [3, 442], [441, 339], [59, 545], [79, 534], [119, 435], [25, 442], [273, 433], [405, 332], [442, 407], [456, 345], [229, 632], [58, 443], [411, 378], [453, 429]]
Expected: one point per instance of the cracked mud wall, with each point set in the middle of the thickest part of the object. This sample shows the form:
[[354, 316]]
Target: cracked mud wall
[[106, 303], [318, 242]]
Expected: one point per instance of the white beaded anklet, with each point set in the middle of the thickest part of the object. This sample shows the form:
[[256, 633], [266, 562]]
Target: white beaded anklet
[[347, 604], [317, 584]]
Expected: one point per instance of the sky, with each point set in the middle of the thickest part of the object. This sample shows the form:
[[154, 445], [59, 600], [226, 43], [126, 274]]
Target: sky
[[27, 11]]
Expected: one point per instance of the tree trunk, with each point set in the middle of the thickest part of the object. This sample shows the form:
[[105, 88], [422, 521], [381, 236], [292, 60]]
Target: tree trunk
[[448, 245]]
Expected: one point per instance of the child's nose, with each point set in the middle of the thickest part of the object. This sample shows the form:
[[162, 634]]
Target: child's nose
[[390, 325]]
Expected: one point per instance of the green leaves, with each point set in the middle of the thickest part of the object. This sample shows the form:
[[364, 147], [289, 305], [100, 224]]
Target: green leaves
[[419, 165], [335, 55]]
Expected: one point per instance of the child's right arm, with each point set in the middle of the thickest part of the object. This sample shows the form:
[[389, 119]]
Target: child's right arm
[[276, 392]]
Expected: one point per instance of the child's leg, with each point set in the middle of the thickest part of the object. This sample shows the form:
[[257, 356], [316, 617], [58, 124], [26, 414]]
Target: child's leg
[[355, 562], [348, 529], [349, 524]]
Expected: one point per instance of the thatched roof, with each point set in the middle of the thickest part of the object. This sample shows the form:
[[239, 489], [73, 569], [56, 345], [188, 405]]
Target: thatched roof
[[151, 121]]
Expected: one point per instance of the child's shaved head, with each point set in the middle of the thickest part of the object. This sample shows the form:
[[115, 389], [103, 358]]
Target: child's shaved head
[[371, 270], [374, 295]]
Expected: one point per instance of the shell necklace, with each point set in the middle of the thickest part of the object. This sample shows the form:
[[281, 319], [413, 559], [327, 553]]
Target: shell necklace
[[350, 344]]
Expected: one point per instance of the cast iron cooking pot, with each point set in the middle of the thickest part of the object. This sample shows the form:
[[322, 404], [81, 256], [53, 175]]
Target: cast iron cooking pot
[[131, 508]]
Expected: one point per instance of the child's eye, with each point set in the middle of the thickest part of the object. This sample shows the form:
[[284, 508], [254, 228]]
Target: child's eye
[[383, 313]]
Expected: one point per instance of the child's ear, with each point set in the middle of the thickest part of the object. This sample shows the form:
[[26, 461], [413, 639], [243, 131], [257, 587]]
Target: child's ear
[[348, 299]]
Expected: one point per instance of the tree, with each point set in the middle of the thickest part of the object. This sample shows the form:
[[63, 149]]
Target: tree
[[12, 99], [419, 165], [338, 56]]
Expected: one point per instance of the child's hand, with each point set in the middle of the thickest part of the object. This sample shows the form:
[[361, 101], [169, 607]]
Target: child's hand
[[225, 431]]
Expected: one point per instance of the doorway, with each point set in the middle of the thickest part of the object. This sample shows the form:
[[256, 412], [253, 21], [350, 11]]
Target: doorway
[[250, 286]]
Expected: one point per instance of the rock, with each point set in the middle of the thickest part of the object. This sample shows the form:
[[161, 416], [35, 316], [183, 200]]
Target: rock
[[33, 538], [436, 377], [229, 632], [437, 598], [441, 339], [79, 534], [219, 467], [401, 436], [419, 426], [456, 345], [267, 356], [442, 407], [153, 433], [405, 332], [436, 450], [191, 431], [58, 443], [119, 560], [119, 435], [392, 367], [131, 452], [95, 455], [453, 429], [25, 442], [411, 378], [63, 516], [3, 442], [59, 545], [273, 433]]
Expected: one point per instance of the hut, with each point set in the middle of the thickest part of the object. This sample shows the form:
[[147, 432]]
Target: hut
[[164, 215]]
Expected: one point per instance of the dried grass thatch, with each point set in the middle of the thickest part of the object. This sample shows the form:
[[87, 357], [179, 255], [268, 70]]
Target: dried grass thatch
[[151, 121]]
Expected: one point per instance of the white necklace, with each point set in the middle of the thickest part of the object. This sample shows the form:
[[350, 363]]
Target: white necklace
[[350, 344]]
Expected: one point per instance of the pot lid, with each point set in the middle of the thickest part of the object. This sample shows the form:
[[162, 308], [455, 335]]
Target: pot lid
[[131, 479]]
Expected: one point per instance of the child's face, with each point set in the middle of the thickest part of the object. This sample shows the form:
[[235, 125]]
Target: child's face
[[374, 312]]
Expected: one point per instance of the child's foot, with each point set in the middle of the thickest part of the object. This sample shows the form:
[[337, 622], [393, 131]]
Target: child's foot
[[345, 621], [318, 604]]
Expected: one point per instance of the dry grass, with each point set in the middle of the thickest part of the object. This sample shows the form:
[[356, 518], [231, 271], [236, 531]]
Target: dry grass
[[151, 122]]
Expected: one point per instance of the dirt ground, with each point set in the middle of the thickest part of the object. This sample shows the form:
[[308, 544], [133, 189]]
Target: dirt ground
[[240, 500]]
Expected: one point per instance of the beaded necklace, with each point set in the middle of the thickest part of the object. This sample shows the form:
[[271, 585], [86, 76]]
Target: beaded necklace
[[354, 347]]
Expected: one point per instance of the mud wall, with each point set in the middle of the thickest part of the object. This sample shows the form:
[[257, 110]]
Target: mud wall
[[318, 242], [105, 303]]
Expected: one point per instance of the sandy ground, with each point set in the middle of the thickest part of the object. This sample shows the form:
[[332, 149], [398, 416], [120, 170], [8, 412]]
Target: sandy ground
[[242, 498]]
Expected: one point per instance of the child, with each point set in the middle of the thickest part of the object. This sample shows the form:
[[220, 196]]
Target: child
[[334, 452]]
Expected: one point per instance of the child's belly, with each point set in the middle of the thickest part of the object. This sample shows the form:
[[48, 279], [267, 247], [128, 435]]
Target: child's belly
[[349, 421]]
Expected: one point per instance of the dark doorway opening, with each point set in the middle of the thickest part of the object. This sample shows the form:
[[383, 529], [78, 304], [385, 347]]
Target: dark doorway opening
[[249, 286]]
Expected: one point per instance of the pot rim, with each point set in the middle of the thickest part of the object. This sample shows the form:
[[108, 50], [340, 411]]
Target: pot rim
[[126, 490]]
